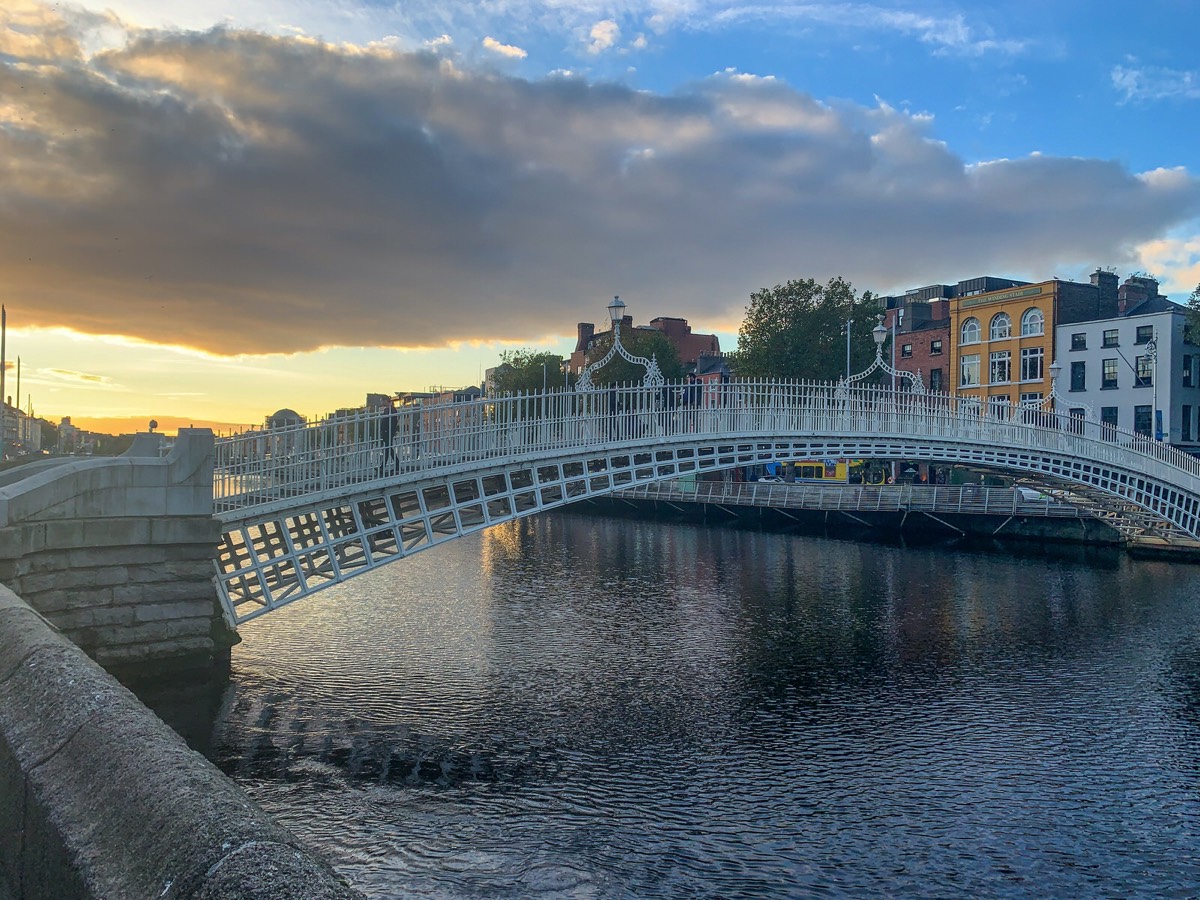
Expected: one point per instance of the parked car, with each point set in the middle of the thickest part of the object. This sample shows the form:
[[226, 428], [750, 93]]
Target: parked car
[[1027, 493], [770, 479]]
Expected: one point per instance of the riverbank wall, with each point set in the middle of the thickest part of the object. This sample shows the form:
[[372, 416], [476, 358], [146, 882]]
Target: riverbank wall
[[118, 554], [100, 799], [867, 524]]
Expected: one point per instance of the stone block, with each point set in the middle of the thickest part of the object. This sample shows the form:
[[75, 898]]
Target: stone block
[[155, 650], [69, 579], [179, 609], [129, 594], [203, 530], [72, 620], [51, 602]]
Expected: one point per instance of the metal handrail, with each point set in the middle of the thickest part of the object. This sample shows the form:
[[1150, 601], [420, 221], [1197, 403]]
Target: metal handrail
[[259, 467]]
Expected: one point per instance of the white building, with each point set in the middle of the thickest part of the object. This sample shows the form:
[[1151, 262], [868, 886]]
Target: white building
[[1125, 367]]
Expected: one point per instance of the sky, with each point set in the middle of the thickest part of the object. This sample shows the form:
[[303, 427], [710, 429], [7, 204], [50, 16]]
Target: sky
[[214, 209]]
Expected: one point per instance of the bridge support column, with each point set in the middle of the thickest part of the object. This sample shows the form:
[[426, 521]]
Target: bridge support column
[[118, 555]]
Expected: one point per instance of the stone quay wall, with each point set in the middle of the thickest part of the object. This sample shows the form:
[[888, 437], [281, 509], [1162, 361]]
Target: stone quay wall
[[100, 799], [118, 554]]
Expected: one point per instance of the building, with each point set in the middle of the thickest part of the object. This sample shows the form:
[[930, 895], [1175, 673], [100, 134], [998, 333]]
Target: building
[[688, 345], [1134, 369], [920, 321]]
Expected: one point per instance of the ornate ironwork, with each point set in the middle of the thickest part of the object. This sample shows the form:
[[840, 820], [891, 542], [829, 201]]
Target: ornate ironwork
[[653, 378], [917, 385]]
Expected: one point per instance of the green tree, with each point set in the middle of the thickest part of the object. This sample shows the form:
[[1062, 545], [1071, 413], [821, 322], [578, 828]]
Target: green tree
[[644, 342], [798, 330], [526, 371], [1192, 326]]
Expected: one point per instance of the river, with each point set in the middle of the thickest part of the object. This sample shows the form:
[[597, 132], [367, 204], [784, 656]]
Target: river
[[569, 706]]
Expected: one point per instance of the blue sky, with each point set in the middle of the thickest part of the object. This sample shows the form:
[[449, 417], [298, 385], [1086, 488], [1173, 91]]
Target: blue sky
[[331, 198]]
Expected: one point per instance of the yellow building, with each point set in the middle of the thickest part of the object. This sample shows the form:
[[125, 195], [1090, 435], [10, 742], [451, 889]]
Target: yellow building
[[1003, 344]]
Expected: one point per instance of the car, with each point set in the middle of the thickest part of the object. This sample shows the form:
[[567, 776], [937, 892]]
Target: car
[[1026, 493], [770, 479]]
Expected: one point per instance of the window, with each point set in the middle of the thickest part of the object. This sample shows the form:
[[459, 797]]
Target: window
[[1145, 372], [1000, 328], [970, 332], [1108, 421], [1141, 420], [1187, 370], [1031, 363], [935, 379], [1108, 376], [1185, 423], [1077, 416], [1033, 398], [999, 407], [906, 351], [1144, 334], [1079, 341], [1000, 367], [935, 348], [1032, 322], [1110, 338], [1079, 376], [968, 371]]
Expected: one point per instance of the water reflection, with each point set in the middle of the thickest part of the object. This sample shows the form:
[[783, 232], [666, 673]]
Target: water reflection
[[576, 706]]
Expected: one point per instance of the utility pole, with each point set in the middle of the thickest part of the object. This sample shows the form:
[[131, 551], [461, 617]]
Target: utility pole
[[849, 322]]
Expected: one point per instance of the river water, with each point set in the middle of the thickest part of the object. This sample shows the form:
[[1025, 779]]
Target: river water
[[570, 706]]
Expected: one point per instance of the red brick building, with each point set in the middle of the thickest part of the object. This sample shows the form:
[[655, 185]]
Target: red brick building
[[688, 345]]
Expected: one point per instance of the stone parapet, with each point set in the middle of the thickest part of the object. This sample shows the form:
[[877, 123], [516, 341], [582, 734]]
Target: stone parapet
[[100, 799], [117, 553]]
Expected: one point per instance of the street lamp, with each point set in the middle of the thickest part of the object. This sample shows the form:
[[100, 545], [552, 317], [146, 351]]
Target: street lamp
[[879, 333], [1152, 353]]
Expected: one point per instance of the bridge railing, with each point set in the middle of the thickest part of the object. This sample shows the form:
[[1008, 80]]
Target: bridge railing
[[270, 465]]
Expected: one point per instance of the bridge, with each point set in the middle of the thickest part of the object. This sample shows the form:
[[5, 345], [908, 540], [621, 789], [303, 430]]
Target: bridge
[[305, 507]]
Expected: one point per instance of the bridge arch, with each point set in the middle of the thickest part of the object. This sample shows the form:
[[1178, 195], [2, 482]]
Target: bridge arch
[[318, 511]]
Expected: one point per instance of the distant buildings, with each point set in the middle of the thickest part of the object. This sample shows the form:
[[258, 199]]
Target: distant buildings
[[1118, 347]]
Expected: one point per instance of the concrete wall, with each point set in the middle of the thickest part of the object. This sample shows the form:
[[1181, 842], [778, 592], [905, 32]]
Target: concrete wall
[[117, 553], [99, 799]]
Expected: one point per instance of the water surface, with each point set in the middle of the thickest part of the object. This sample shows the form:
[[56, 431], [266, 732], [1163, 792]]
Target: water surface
[[586, 707]]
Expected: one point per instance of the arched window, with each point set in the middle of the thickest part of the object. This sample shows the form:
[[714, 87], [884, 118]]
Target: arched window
[[970, 332], [1032, 322], [1001, 327]]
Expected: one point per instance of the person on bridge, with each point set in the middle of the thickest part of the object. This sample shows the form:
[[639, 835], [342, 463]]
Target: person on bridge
[[387, 437]]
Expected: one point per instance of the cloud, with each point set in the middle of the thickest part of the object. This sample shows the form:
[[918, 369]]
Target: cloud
[[1153, 83], [75, 378], [242, 193], [604, 35], [508, 50]]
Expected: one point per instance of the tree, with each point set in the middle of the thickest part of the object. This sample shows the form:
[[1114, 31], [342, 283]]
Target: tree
[[798, 330], [1192, 325], [526, 371], [645, 342]]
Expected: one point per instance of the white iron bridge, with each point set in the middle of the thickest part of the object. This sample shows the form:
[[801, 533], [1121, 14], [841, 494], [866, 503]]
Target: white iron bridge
[[310, 506]]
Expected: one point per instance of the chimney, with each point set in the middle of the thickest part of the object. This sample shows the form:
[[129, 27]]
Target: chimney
[[1106, 293], [586, 331]]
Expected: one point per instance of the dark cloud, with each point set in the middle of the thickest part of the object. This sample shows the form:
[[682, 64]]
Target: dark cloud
[[244, 193]]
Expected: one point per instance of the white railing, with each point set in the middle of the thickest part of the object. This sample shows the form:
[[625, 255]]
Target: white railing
[[965, 498], [272, 465]]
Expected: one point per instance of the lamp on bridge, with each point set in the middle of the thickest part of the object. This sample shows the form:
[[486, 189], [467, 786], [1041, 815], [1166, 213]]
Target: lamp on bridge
[[616, 312], [879, 332], [1055, 371]]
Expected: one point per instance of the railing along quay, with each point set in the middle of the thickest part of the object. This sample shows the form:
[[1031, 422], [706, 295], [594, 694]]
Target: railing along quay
[[945, 499]]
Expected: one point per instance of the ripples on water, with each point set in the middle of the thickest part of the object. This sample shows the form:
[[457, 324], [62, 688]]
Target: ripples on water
[[579, 707]]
